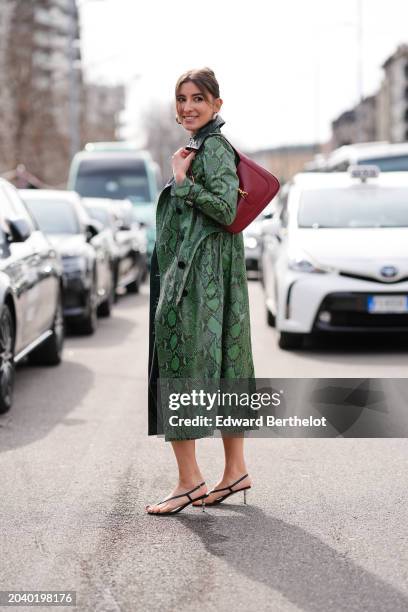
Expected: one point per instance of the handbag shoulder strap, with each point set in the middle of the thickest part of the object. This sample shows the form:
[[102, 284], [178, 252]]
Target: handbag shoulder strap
[[237, 157]]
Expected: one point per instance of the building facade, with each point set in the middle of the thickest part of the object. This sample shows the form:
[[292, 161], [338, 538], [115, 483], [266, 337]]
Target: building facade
[[284, 162], [43, 98], [356, 125], [394, 95], [6, 102], [383, 116]]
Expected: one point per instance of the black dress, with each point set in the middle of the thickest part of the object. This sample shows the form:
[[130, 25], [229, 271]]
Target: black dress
[[155, 427]]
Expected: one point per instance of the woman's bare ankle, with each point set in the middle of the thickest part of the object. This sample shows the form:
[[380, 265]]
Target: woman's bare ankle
[[232, 472], [188, 482]]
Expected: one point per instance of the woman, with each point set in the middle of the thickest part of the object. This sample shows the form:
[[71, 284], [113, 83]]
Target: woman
[[199, 311]]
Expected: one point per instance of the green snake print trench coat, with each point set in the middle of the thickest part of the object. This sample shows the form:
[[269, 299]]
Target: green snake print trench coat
[[199, 310]]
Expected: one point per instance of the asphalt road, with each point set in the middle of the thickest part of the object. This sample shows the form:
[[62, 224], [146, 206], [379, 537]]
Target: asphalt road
[[325, 528]]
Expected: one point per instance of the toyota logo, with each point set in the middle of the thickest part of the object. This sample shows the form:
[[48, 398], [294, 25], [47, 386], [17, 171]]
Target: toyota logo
[[389, 271]]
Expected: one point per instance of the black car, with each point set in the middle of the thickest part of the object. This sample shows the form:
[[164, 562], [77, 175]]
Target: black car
[[87, 266], [31, 318]]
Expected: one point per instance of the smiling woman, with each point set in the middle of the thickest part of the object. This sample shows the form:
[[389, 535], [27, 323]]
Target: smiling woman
[[199, 309], [193, 101]]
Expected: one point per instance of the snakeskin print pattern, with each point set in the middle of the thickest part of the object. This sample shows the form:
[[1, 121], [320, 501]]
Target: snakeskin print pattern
[[202, 324]]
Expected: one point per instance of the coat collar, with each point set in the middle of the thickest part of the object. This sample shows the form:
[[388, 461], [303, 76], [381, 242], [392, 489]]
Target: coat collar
[[197, 140]]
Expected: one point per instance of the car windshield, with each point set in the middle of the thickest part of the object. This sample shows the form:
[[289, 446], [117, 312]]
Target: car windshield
[[389, 164], [54, 216], [365, 206], [100, 215], [115, 179]]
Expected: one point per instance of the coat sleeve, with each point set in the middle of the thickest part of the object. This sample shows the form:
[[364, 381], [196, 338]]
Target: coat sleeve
[[218, 196]]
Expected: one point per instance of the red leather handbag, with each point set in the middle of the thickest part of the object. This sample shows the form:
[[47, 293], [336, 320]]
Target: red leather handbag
[[257, 187]]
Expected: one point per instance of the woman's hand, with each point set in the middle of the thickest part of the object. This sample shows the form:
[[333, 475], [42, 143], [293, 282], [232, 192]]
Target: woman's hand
[[180, 162]]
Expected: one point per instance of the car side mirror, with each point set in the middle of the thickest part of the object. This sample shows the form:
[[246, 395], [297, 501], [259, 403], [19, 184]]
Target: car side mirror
[[93, 228], [20, 230]]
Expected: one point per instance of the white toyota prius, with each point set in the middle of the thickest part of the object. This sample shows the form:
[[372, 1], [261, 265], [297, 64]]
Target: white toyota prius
[[335, 255]]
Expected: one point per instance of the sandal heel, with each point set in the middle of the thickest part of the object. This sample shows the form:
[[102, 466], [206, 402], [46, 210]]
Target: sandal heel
[[203, 505], [245, 496], [230, 491]]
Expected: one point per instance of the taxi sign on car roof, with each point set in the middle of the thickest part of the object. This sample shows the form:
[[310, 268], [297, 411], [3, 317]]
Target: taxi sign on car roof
[[363, 172]]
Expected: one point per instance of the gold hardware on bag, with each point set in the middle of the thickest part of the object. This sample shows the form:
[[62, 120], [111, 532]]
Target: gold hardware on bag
[[243, 193]]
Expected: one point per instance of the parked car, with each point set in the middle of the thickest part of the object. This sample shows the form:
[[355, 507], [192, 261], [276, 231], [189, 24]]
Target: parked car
[[388, 157], [31, 319], [125, 238], [335, 256], [113, 171], [253, 240], [88, 288]]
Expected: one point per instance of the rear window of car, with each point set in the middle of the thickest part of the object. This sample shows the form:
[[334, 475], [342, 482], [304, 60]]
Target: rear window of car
[[388, 164], [118, 179], [364, 206]]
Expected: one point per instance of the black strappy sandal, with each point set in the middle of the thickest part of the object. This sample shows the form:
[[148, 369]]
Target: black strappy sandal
[[231, 492], [179, 508]]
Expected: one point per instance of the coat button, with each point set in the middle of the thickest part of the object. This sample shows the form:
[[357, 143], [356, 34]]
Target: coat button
[[182, 234], [178, 210], [189, 202], [185, 292], [181, 265]]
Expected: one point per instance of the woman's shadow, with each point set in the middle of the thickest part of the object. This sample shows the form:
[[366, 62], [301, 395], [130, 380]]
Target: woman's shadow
[[289, 560]]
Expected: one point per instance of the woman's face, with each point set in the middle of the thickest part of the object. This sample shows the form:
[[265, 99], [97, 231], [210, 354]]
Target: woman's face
[[193, 109]]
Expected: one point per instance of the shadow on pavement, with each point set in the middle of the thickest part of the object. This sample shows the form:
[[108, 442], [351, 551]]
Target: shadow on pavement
[[28, 421], [293, 562], [359, 343]]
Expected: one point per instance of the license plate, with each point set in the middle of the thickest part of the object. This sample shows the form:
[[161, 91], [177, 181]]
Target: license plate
[[387, 303]]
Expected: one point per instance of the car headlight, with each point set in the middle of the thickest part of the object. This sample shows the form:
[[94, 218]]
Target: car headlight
[[250, 242], [301, 262]]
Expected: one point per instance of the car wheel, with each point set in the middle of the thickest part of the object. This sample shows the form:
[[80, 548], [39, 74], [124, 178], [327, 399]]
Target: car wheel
[[105, 309], [87, 325], [289, 340], [50, 351], [7, 367], [270, 318]]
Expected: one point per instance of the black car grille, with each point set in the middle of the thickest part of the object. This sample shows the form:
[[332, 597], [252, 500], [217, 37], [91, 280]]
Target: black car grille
[[349, 311], [251, 263], [373, 279]]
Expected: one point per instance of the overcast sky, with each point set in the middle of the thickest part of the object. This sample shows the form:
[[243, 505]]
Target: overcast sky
[[285, 69]]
